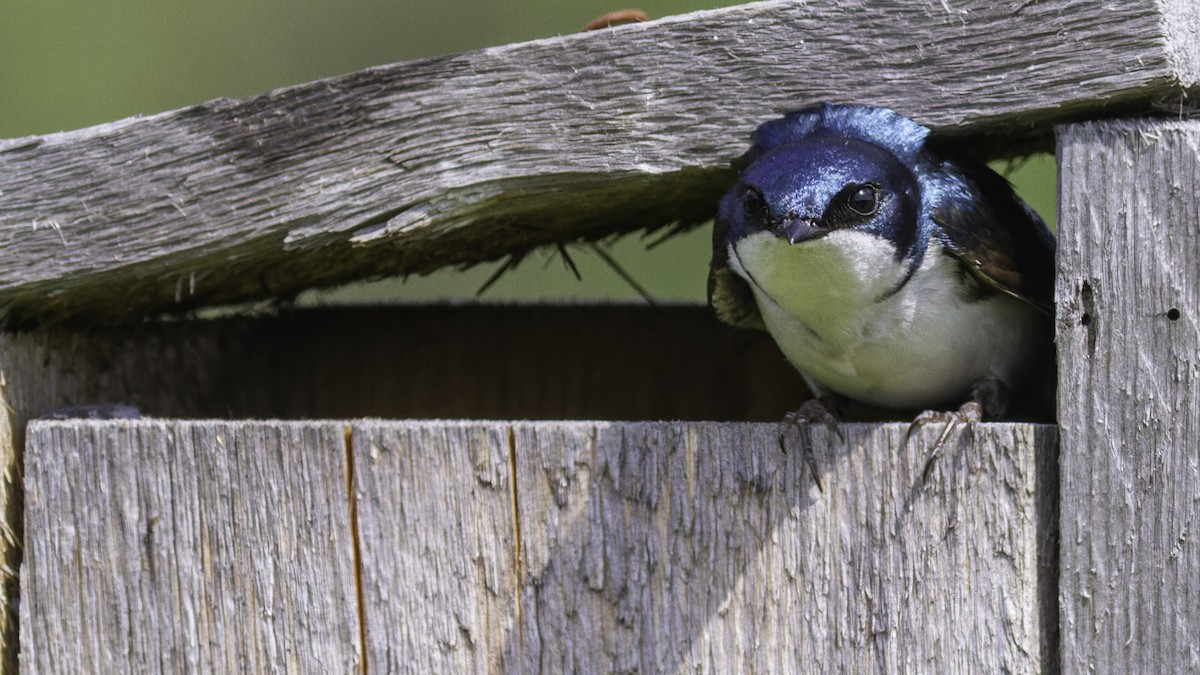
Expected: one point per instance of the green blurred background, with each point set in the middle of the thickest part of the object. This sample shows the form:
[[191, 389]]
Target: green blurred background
[[73, 63]]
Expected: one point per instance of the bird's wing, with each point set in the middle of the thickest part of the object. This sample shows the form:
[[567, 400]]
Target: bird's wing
[[1002, 241], [728, 294]]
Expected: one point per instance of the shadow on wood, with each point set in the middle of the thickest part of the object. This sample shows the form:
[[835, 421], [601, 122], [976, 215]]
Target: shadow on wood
[[481, 362]]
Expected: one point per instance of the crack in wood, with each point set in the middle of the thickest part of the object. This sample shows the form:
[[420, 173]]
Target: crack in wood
[[352, 507], [516, 519]]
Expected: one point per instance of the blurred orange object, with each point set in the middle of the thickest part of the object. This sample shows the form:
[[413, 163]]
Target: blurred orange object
[[617, 18]]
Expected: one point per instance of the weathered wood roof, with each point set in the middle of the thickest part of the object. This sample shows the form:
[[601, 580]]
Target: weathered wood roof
[[413, 166]]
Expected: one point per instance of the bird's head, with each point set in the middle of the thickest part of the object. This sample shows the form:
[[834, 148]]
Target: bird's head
[[826, 169], [818, 185], [828, 204]]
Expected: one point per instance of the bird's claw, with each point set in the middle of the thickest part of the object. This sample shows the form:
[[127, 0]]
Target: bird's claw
[[812, 411], [968, 415]]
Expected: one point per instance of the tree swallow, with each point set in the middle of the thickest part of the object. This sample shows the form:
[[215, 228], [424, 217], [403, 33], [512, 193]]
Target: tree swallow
[[888, 273]]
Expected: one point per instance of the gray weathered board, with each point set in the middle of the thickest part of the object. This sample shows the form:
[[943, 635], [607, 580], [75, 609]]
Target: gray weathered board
[[497, 362], [167, 546], [456, 159], [1128, 299]]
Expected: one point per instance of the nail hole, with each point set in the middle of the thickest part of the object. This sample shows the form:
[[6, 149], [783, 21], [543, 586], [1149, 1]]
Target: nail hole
[[1087, 301], [1173, 314]]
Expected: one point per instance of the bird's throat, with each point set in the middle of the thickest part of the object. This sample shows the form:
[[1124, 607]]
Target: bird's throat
[[818, 281]]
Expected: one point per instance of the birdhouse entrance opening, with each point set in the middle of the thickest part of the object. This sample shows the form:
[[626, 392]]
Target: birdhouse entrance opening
[[598, 362]]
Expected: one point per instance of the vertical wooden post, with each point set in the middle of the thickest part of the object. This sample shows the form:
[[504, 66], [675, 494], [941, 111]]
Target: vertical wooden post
[[1129, 400]]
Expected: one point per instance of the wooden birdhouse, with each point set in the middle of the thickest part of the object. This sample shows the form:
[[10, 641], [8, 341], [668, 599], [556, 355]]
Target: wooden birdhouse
[[588, 488]]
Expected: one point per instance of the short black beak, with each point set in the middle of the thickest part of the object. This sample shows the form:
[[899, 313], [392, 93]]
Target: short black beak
[[795, 229]]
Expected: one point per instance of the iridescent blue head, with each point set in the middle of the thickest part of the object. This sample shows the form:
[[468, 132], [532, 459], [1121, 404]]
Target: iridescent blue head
[[828, 168]]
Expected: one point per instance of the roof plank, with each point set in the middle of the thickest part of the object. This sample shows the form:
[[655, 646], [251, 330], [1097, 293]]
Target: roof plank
[[409, 167]]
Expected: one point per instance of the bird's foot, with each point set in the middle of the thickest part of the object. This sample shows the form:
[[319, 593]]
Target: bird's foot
[[968, 415], [815, 411], [812, 411]]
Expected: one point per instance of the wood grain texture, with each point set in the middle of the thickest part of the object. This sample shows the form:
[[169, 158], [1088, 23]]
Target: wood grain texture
[[671, 547], [44, 370], [438, 539], [705, 548], [155, 546], [595, 362], [540, 363], [187, 547], [409, 167], [1128, 299]]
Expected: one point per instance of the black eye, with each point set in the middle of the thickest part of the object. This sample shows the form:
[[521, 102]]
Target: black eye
[[864, 201], [754, 205]]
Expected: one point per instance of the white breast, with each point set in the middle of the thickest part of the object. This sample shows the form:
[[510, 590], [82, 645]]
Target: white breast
[[826, 303]]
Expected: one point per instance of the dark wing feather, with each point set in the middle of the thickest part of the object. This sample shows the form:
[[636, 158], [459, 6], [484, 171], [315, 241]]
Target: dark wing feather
[[1002, 241], [728, 294]]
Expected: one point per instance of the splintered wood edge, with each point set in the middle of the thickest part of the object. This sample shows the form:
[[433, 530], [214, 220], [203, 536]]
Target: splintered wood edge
[[453, 160]]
